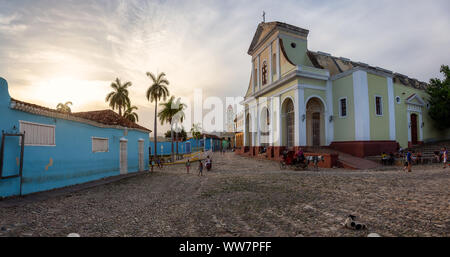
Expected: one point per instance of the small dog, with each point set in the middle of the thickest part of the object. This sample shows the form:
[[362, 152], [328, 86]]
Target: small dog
[[352, 224]]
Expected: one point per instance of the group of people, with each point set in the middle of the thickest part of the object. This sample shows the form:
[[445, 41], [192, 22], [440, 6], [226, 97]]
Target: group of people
[[299, 156], [412, 157], [207, 163], [158, 163]]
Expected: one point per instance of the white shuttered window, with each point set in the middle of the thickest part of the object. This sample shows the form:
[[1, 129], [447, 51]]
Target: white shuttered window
[[38, 134], [99, 144]]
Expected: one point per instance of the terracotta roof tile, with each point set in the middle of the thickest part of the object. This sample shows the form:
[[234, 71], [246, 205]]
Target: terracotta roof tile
[[106, 117]]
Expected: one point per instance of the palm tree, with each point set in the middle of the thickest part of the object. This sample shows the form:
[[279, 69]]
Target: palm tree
[[64, 107], [167, 114], [130, 114], [179, 117], [155, 92], [118, 98]]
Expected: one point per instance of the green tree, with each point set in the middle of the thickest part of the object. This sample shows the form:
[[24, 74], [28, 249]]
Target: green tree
[[130, 114], [156, 91], [439, 99], [172, 111], [118, 98], [178, 117], [64, 107]]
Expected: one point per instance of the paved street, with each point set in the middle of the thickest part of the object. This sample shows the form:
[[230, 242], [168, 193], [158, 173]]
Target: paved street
[[244, 197]]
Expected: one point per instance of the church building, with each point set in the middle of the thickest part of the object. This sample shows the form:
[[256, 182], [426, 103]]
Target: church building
[[301, 98]]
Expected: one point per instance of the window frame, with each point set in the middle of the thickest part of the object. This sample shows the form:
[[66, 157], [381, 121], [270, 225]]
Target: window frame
[[37, 124], [381, 105], [340, 107], [100, 138]]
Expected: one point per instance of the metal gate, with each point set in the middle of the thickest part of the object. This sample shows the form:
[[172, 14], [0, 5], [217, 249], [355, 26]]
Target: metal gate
[[11, 161], [316, 128]]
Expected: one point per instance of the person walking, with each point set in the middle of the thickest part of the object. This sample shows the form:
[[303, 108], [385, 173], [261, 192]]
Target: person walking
[[152, 163], [445, 156], [409, 160], [188, 165], [200, 168]]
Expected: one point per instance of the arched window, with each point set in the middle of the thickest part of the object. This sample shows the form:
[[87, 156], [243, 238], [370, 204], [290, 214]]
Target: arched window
[[264, 73], [274, 64]]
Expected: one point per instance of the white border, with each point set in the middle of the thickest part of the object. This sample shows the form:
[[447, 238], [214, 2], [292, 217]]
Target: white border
[[340, 108], [101, 138], [375, 103], [38, 124]]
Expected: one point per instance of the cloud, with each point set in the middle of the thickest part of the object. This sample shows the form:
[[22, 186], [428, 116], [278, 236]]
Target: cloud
[[200, 44]]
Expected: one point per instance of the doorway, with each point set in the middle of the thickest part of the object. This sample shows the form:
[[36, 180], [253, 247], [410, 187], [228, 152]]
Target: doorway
[[316, 128], [414, 129], [123, 157]]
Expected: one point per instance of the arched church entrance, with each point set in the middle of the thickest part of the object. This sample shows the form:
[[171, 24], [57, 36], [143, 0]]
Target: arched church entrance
[[288, 123], [315, 122]]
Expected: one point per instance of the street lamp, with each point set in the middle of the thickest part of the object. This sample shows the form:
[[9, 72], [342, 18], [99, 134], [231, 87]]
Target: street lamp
[[162, 148]]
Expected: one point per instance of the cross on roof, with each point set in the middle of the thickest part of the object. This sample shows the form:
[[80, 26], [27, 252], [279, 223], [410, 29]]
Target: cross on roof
[[264, 16]]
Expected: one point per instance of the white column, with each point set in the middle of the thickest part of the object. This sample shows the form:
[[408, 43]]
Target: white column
[[278, 59], [300, 124], [258, 126], [330, 112], [245, 128], [270, 64], [271, 119], [253, 77], [361, 105], [278, 118], [420, 127], [257, 73], [391, 105], [253, 122]]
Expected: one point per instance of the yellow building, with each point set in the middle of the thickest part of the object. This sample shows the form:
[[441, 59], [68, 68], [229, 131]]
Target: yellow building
[[299, 98]]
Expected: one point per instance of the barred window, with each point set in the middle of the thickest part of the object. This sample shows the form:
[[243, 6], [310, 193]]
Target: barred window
[[99, 144], [37, 134], [378, 105], [343, 107]]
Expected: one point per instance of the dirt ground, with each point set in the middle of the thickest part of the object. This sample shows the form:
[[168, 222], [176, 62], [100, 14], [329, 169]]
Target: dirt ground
[[245, 197]]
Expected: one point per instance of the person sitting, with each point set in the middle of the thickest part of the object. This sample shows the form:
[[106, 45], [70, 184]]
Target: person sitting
[[437, 156], [391, 159], [300, 156], [208, 163], [419, 158], [384, 158]]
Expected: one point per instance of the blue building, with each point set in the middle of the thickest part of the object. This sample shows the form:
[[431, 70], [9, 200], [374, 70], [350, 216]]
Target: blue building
[[43, 149], [205, 143]]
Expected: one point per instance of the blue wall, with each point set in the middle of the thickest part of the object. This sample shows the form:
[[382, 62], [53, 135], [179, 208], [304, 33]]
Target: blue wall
[[195, 144], [73, 159]]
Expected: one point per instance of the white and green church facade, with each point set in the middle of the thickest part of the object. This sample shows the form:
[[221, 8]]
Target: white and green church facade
[[300, 98]]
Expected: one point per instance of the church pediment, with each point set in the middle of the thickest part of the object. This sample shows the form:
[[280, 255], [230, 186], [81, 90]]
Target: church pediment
[[415, 99], [264, 31]]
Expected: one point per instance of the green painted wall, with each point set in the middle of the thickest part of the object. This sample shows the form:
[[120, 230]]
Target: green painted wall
[[314, 82], [344, 128], [298, 54], [430, 133], [379, 125], [309, 92]]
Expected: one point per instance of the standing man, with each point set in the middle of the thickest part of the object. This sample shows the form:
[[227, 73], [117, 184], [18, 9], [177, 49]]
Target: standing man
[[409, 160], [188, 165], [200, 168], [445, 156]]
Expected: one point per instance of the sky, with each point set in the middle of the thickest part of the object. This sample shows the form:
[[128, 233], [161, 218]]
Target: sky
[[58, 51]]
